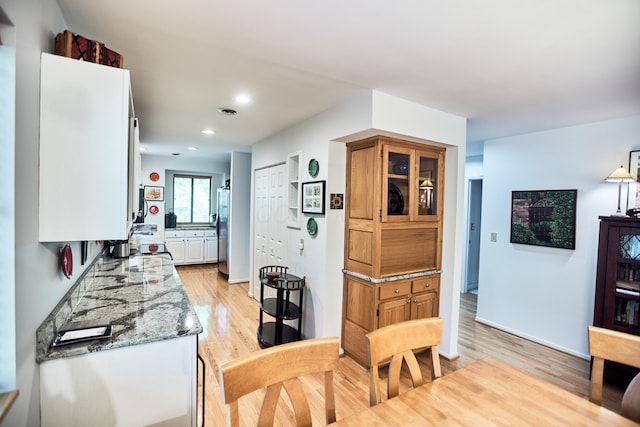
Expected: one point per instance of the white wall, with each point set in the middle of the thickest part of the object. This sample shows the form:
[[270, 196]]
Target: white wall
[[39, 285], [323, 294], [239, 218], [546, 294], [323, 257], [7, 218]]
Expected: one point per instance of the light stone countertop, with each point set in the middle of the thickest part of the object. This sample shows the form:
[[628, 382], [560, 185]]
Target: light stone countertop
[[142, 298]]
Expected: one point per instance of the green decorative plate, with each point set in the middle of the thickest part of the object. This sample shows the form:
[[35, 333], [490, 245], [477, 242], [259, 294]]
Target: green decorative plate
[[314, 167], [312, 227]]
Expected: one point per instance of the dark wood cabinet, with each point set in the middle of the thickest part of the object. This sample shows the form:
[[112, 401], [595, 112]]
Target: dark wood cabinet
[[617, 298]]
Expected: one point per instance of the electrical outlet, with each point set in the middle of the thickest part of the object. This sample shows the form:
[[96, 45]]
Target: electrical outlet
[[494, 237]]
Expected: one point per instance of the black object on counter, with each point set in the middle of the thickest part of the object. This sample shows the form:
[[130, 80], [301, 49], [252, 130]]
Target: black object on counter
[[170, 220]]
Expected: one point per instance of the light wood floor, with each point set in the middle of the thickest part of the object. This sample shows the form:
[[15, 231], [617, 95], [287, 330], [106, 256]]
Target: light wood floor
[[230, 320]]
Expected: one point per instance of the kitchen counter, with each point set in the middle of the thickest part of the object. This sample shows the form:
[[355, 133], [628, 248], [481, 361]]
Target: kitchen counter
[[142, 298]]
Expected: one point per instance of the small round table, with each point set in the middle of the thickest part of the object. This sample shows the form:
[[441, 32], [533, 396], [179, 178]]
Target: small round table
[[280, 308]]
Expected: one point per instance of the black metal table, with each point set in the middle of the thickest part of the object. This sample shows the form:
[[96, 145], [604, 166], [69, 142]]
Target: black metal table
[[280, 308]]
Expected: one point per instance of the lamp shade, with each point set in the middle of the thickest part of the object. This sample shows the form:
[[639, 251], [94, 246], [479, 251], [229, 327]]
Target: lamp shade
[[619, 175]]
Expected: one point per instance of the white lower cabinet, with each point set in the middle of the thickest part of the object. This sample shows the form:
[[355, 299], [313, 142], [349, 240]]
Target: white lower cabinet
[[210, 246], [174, 240], [192, 246], [139, 385]]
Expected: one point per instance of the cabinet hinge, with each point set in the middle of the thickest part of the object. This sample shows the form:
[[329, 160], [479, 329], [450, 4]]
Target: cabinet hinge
[[377, 312], [380, 214]]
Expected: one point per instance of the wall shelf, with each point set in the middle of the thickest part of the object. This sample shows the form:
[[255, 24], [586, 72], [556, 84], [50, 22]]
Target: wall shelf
[[293, 190]]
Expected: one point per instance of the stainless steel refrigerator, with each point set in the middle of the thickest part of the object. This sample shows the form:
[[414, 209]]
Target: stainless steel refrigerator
[[222, 227]]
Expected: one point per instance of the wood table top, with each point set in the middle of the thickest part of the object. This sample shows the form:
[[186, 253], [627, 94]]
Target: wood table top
[[487, 392]]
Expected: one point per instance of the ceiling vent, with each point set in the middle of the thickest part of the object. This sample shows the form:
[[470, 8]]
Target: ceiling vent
[[227, 111]]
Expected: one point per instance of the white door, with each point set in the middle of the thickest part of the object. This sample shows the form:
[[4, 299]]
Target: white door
[[270, 220], [277, 215], [261, 225]]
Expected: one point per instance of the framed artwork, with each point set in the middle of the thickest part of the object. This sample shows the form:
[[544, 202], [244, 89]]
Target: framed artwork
[[153, 193], [633, 194], [544, 218], [313, 197]]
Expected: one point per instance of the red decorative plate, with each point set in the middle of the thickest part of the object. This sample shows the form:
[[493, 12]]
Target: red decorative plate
[[153, 209], [66, 261], [154, 176]]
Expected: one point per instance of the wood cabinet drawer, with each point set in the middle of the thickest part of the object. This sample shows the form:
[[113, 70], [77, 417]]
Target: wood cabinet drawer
[[396, 289], [424, 284]]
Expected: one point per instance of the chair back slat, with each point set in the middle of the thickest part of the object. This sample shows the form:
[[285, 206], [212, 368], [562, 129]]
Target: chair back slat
[[276, 366], [398, 342]]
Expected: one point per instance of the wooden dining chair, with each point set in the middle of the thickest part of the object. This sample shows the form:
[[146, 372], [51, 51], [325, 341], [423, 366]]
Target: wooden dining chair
[[398, 342], [279, 367], [606, 344]]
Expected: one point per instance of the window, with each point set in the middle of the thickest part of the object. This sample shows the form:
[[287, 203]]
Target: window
[[192, 199]]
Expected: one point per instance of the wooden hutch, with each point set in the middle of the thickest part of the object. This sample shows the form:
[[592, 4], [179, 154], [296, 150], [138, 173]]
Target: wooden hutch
[[393, 236]]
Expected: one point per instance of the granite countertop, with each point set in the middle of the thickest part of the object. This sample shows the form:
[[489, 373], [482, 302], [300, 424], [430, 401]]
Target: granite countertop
[[391, 278], [142, 298], [191, 227]]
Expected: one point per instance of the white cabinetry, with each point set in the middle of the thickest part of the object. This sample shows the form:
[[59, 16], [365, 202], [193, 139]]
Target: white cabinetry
[[192, 246], [145, 384], [84, 150], [210, 246], [174, 240]]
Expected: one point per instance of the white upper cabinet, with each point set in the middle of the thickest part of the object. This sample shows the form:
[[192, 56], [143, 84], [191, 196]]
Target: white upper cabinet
[[84, 150]]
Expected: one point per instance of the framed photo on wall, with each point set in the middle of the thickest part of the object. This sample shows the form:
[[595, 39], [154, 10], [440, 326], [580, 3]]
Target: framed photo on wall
[[544, 218], [153, 193], [313, 197]]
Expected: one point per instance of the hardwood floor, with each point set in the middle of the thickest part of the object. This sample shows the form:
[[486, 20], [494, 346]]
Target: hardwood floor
[[230, 319]]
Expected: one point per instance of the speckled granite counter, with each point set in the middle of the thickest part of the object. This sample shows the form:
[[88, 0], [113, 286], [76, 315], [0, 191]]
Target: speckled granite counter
[[142, 298], [391, 278]]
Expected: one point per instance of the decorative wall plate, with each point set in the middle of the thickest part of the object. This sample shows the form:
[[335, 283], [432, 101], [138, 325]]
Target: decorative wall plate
[[153, 209], [66, 261], [312, 227], [314, 167], [154, 176]]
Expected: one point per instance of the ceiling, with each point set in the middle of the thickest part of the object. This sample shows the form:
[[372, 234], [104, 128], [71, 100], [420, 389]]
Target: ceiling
[[510, 67]]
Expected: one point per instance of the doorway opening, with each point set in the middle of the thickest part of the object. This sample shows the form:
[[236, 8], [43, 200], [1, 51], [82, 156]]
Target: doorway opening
[[473, 244]]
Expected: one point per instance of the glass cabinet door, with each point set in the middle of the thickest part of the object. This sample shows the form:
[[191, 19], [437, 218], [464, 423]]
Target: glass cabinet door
[[398, 179], [427, 187], [626, 298]]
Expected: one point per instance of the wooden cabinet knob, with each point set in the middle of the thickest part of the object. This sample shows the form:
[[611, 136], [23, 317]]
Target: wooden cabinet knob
[[397, 291], [427, 285], [409, 301]]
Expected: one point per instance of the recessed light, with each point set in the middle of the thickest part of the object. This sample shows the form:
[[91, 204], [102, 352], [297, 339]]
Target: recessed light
[[208, 131], [192, 148], [243, 99], [227, 111]]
